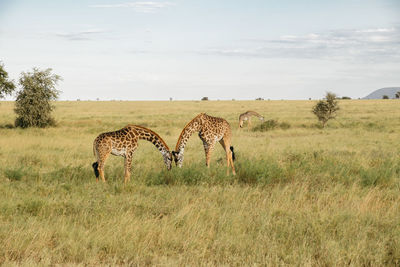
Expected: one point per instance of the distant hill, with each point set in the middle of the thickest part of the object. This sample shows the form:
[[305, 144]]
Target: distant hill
[[378, 94]]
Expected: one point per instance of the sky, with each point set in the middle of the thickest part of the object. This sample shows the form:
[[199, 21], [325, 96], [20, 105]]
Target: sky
[[225, 49]]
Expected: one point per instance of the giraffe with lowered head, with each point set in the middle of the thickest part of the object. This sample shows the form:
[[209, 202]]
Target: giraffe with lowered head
[[211, 130], [123, 143], [247, 117]]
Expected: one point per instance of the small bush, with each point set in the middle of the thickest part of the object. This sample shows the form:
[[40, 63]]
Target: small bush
[[385, 97], [284, 125], [14, 174], [271, 125], [7, 126], [266, 126]]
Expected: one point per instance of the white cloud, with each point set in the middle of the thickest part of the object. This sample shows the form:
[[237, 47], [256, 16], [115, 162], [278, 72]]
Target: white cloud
[[378, 30], [142, 7], [80, 35], [373, 45]]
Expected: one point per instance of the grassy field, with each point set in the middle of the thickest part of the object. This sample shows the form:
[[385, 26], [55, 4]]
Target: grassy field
[[302, 195]]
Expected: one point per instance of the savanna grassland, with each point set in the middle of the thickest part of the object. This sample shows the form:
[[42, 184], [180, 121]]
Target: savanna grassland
[[302, 195]]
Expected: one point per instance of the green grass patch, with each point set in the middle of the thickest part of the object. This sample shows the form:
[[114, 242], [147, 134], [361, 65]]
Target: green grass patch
[[270, 125]]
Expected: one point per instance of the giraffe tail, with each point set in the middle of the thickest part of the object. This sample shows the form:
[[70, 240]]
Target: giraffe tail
[[95, 166], [233, 153]]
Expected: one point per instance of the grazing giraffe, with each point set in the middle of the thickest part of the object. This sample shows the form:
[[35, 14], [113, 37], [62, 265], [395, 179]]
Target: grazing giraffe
[[211, 130], [247, 117], [123, 143]]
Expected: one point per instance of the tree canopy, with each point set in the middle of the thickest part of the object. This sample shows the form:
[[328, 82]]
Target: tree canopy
[[6, 86], [33, 107], [326, 109]]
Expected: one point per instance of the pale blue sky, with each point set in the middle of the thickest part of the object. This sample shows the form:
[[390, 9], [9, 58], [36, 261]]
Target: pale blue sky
[[145, 50]]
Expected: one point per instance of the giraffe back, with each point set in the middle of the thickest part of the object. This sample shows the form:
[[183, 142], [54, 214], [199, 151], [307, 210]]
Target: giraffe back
[[116, 142], [215, 128]]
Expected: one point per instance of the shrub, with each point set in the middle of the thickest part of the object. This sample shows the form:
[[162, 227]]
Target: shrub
[[205, 98], [14, 174], [32, 105], [385, 97], [284, 125], [266, 126], [6, 86], [326, 109], [271, 125]]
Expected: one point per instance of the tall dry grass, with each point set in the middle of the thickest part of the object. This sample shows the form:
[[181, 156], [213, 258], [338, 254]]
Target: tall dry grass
[[302, 195]]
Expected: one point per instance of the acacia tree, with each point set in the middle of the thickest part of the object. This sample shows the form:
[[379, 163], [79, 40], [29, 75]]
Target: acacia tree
[[398, 94], [326, 109], [6, 86], [33, 106]]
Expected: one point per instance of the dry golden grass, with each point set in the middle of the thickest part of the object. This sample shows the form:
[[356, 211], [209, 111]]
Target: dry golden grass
[[303, 196]]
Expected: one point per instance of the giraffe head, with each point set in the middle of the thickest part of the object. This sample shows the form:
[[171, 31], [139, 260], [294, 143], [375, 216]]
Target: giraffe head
[[167, 155], [178, 158]]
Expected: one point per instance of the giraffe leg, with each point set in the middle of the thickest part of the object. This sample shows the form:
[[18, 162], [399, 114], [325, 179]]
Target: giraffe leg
[[103, 150], [227, 146], [102, 162], [227, 156], [208, 154], [128, 165], [205, 145], [208, 148], [231, 160]]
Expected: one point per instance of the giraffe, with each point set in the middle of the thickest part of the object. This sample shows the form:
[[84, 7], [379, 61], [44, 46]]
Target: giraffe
[[123, 143], [247, 116], [211, 130]]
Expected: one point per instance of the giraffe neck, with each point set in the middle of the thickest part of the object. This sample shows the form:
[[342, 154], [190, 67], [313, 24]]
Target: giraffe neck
[[193, 126], [149, 135], [253, 113]]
